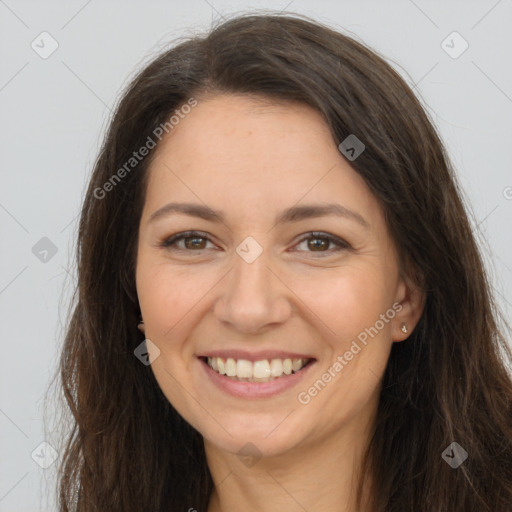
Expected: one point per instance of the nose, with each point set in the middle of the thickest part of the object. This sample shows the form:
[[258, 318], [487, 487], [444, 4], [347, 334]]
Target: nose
[[252, 296]]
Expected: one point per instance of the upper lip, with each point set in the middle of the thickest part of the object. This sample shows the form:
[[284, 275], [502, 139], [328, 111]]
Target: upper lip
[[255, 356]]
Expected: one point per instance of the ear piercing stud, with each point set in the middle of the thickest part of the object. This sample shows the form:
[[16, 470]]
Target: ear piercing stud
[[404, 329]]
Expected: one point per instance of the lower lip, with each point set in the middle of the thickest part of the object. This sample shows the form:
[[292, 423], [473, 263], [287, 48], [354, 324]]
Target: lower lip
[[241, 389]]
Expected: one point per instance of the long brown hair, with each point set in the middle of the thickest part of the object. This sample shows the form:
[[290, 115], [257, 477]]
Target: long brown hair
[[128, 449]]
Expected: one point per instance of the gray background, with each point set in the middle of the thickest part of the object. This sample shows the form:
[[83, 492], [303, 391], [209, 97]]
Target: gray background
[[54, 112]]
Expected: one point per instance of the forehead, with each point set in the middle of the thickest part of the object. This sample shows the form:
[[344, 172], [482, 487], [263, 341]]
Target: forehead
[[245, 152], [252, 123]]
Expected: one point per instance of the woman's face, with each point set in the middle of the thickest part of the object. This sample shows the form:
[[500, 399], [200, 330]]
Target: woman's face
[[255, 290]]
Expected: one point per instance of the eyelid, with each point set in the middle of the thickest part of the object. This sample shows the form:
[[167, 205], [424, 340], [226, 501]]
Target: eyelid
[[336, 240], [177, 237], [340, 243]]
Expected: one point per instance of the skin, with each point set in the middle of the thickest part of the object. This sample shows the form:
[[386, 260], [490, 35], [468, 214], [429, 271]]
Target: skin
[[251, 159]]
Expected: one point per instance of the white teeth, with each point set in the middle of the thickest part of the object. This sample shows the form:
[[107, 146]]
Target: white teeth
[[296, 364], [259, 371], [276, 367], [243, 369], [230, 367]]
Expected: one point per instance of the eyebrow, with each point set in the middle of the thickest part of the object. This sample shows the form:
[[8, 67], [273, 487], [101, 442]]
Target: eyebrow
[[292, 214]]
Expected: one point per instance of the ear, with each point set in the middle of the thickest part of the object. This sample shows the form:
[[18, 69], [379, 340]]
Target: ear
[[411, 298], [141, 327]]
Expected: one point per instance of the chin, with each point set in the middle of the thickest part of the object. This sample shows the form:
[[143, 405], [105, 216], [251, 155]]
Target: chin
[[249, 439]]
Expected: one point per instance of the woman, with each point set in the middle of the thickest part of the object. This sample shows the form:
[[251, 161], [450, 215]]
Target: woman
[[214, 359]]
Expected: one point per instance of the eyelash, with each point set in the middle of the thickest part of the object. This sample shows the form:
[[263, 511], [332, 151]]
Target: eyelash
[[170, 243]]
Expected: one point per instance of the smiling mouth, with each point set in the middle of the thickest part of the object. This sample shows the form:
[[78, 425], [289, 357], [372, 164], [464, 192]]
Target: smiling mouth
[[265, 370]]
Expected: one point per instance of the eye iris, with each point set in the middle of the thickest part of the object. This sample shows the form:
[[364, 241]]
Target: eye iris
[[191, 242], [323, 243]]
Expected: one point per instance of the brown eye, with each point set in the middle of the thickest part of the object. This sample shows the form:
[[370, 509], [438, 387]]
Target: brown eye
[[194, 242], [318, 244]]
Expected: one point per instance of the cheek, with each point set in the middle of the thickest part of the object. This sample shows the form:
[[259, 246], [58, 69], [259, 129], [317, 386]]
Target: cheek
[[346, 300], [167, 293], [169, 298], [348, 305]]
